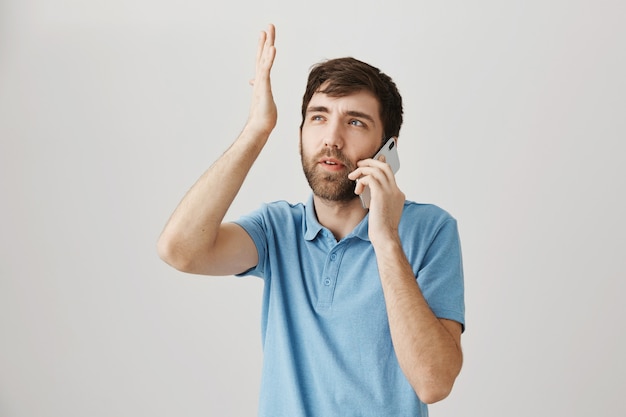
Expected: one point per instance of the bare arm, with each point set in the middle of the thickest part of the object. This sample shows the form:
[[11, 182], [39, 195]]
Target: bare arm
[[428, 348], [195, 239]]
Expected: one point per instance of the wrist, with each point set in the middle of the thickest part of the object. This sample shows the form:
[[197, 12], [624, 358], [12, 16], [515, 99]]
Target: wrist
[[256, 133], [261, 126], [388, 243]]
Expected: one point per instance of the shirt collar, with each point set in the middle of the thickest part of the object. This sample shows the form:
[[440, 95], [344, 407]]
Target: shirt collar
[[313, 226], [362, 230]]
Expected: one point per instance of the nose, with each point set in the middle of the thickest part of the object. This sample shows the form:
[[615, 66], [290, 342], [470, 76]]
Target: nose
[[333, 135]]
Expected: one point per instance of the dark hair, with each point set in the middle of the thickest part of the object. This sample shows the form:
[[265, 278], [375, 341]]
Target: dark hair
[[345, 76]]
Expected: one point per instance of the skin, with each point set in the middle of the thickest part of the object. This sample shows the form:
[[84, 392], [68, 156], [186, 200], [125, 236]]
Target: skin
[[345, 131]]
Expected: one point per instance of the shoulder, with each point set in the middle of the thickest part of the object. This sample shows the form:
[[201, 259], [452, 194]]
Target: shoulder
[[281, 208], [273, 214], [422, 223], [425, 213]]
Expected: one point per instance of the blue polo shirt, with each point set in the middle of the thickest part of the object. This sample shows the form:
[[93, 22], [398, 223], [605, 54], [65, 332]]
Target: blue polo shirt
[[326, 342]]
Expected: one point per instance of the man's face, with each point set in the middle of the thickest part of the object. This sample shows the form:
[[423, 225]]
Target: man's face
[[337, 132]]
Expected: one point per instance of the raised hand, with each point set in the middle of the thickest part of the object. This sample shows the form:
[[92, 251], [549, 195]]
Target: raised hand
[[263, 112], [196, 239]]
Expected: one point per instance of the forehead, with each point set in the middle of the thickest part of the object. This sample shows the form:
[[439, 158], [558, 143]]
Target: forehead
[[360, 101]]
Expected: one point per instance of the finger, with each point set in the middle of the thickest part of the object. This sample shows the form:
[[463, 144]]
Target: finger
[[271, 35], [360, 186], [265, 54], [370, 174], [370, 162], [269, 51], [381, 165], [260, 45], [266, 41], [268, 61], [355, 175], [363, 169], [369, 165]]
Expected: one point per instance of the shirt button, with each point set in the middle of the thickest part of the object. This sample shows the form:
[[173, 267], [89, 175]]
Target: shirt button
[[333, 256], [327, 281]]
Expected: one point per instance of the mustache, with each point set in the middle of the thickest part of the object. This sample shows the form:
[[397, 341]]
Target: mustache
[[338, 155]]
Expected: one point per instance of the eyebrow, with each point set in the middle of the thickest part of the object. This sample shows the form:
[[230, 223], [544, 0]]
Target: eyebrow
[[354, 113]]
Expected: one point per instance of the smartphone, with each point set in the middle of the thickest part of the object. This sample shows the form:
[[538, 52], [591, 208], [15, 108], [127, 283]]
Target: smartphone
[[390, 151]]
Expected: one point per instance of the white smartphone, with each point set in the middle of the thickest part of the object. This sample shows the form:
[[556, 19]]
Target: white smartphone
[[390, 151]]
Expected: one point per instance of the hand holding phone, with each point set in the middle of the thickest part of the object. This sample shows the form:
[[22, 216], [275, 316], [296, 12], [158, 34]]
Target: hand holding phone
[[390, 151]]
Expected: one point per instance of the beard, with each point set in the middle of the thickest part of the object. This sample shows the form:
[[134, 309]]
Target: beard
[[331, 186]]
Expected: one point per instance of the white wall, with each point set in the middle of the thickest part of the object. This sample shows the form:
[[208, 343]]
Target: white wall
[[110, 109]]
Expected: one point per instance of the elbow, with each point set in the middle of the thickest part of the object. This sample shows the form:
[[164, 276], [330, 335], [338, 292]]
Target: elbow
[[433, 394], [171, 252], [435, 386]]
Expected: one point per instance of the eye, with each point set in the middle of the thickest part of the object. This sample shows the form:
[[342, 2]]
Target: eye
[[317, 118], [355, 122]]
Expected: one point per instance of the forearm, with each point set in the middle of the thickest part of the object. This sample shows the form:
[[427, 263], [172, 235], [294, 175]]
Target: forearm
[[428, 353], [194, 225]]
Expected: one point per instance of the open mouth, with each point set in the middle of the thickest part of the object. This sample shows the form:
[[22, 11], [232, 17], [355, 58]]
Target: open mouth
[[332, 165], [331, 162]]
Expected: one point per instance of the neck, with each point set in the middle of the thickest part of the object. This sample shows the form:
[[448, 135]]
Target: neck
[[340, 217]]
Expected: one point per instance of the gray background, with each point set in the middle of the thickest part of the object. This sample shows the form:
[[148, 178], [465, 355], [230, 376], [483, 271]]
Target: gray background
[[111, 109]]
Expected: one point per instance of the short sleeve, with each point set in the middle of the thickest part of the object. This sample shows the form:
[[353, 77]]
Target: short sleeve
[[254, 224], [440, 276]]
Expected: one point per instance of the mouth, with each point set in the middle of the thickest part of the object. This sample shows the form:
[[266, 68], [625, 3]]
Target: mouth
[[331, 164], [330, 161]]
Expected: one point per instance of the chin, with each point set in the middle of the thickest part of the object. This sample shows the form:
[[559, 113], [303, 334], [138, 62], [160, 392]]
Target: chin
[[335, 195]]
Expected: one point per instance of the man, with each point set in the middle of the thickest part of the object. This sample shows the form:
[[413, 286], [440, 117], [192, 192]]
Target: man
[[363, 309]]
